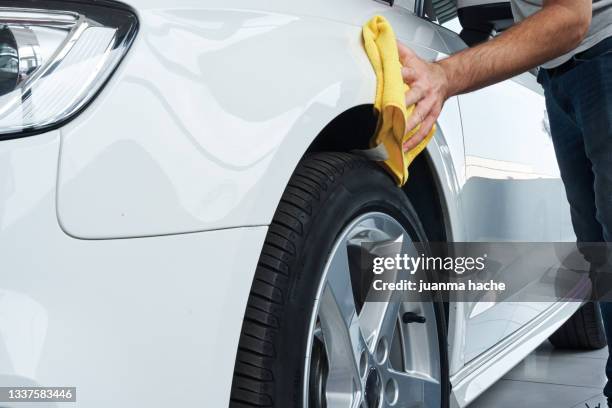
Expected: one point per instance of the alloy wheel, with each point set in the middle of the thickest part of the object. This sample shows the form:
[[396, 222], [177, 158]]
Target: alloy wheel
[[361, 355]]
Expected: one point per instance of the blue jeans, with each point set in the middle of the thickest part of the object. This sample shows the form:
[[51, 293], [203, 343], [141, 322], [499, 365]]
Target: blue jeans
[[579, 104]]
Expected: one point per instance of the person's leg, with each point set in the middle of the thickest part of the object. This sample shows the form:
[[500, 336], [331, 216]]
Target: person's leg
[[578, 172], [593, 104], [594, 115], [574, 165]]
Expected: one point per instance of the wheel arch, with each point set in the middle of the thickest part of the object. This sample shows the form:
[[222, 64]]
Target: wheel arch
[[353, 128]]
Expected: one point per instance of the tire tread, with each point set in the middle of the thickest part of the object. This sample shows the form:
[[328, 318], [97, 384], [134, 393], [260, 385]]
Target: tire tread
[[583, 331], [253, 381]]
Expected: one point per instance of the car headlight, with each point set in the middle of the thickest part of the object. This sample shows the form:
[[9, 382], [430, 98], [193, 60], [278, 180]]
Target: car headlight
[[55, 56]]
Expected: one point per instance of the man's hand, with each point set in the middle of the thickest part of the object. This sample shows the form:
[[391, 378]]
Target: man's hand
[[428, 90]]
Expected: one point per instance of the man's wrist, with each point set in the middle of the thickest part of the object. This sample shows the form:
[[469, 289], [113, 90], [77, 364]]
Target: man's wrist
[[445, 78]]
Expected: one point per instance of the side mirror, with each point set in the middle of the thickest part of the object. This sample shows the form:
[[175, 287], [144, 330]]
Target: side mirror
[[482, 22]]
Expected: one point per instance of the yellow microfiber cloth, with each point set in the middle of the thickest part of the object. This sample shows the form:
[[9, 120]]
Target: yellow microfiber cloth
[[381, 47]]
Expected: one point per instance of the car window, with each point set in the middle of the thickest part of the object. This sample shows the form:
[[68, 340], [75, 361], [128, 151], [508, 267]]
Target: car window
[[480, 20], [406, 4], [454, 25], [443, 10]]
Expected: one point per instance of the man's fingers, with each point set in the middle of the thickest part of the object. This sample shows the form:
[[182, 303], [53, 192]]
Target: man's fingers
[[425, 80], [421, 134], [409, 75], [414, 95], [419, 114], [405, 53], [425, 127]]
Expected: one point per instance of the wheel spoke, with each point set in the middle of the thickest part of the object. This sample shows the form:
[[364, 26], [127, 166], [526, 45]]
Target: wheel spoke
[[403, 389], [343, 339], [340, 286], [378, 318]]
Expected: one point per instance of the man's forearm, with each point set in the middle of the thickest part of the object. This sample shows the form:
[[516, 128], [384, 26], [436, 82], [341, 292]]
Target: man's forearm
[[553, 31]]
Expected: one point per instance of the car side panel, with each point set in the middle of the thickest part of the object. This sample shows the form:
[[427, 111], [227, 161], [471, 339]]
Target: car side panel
[[209, 114]]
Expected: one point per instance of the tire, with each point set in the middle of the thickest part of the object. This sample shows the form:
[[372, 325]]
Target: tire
[[583, 331], [326, 193]]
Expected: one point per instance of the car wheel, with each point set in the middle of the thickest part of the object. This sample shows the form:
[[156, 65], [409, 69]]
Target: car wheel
[[583, 331], [310, 336]]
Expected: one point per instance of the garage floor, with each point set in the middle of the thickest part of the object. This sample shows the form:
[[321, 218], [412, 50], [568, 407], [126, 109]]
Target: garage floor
[[551, 378]]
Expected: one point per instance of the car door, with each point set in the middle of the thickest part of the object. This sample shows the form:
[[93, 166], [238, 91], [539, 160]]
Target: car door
[[512, 190]]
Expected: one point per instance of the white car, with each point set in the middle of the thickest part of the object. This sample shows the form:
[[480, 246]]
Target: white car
[[179, 203]]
